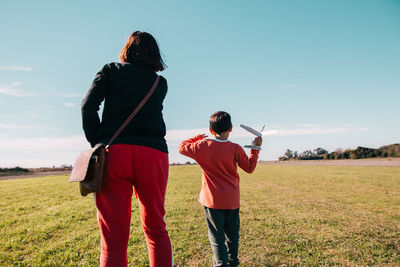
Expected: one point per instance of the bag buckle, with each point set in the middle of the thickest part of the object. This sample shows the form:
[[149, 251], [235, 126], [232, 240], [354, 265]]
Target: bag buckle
[[95, 158]]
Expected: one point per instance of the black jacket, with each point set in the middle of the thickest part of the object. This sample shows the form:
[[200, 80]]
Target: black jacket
[[123, 86]]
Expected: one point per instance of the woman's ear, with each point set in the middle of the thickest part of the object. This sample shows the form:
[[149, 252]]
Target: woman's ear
[[211, 131], [230, 129]]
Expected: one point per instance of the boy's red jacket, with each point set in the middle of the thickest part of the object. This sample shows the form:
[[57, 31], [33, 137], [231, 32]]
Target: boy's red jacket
[[219, 160]]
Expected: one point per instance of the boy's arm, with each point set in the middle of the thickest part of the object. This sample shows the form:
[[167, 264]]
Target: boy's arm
[[248, 164], [190, 147]]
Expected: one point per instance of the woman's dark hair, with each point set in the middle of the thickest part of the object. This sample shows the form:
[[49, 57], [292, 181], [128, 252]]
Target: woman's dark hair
[[142, 48], [220, 122]]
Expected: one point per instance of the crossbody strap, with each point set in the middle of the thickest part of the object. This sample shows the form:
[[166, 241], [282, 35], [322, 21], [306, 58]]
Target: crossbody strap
[[133, 114]]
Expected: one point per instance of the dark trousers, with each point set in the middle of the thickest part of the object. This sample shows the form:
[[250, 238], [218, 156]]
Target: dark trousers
[[223, 233]]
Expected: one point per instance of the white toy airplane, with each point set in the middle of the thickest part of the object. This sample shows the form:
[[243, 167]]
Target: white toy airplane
[[256, 133]]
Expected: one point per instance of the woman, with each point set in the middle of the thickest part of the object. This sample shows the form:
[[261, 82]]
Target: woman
[[138, 157]]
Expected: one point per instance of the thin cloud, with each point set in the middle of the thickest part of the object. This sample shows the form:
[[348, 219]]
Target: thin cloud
[[15, 131], [49, 151], [313, 131], [68, 105], [40, 152], [15, 127], [174, 136], [46, 108], [307, 125], [74, 143], [12, 90], [180, 135], [16, 68], [69, 95]]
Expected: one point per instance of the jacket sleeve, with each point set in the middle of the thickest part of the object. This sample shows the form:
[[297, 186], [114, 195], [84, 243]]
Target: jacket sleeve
[[248, 164], [191, 147], [91, 105]]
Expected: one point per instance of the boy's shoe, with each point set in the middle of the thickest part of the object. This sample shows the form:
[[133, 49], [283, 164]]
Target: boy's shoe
[[234, 263]]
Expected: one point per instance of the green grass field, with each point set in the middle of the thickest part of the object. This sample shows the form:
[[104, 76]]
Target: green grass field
[[290, 215]]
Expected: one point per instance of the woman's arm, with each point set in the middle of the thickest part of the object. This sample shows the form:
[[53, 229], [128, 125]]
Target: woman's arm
[[91, 105]]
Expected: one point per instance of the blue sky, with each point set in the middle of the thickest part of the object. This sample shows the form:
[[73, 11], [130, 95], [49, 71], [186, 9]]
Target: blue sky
[[317, 73]]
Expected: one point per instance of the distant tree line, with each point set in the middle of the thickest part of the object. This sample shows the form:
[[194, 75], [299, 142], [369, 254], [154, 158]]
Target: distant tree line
[[22, 171], [186, 163], [12, 171], [358, 153]]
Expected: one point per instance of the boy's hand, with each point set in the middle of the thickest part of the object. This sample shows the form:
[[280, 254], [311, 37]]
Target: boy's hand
[[198, 137], [258, 141], [202, 136]]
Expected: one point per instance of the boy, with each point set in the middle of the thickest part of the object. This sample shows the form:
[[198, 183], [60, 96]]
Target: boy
[[220, 195]]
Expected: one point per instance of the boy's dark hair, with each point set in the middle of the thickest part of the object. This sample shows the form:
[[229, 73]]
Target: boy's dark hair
[[142, 48], [220, 122]]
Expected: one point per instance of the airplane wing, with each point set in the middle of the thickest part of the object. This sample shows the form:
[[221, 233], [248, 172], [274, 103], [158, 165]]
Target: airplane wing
[[252, 147], [251, 130]]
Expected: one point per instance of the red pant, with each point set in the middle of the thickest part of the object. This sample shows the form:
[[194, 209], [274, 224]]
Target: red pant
[[147, 170]]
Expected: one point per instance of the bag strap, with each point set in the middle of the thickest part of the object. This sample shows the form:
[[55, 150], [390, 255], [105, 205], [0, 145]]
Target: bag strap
[[133, 114]]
